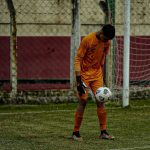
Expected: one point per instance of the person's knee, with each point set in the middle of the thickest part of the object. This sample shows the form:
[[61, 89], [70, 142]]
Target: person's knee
[[100, 104], [83, 102], [81, 106]]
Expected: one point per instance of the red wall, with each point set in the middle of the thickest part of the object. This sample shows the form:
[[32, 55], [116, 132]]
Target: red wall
[[40, 60], [44, 62]]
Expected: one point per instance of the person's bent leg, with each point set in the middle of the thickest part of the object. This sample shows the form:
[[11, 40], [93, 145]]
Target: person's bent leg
[[79, 116], [101, 113]]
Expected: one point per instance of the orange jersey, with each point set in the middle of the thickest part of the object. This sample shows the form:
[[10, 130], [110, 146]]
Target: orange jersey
[[90, 56]]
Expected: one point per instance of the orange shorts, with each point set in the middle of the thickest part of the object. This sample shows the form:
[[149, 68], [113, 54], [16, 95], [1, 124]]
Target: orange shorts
[[93, 85]]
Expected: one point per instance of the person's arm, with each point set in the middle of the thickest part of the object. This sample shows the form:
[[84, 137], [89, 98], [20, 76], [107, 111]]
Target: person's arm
[[78, 62], [106, 50], [80, 55]]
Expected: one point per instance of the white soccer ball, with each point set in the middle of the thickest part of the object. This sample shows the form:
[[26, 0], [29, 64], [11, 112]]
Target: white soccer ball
[[103, 94]]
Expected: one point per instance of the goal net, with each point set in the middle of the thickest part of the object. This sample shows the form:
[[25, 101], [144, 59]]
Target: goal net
[[139, 71]]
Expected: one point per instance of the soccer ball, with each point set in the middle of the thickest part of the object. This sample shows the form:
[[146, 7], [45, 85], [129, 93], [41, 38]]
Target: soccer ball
[[103, 94]]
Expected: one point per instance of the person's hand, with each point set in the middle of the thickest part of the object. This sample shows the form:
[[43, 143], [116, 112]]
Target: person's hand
[[81, 87]]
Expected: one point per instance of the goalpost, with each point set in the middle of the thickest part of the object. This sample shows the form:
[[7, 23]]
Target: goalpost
[[126, 53], [131, 55]]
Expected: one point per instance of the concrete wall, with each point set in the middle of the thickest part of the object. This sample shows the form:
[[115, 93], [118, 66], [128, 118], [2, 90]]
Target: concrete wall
[[53, 17], [140, 18]]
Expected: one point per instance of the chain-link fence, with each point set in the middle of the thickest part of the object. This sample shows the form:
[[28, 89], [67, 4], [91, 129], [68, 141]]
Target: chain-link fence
[[44, 30], [43, 44]]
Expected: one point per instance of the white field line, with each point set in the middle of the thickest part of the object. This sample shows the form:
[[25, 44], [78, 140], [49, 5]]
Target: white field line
[[61, 110], [35, 112], [132, 148]]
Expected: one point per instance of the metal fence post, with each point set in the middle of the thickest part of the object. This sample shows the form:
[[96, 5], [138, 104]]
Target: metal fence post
[[75, 37], [13, 48]]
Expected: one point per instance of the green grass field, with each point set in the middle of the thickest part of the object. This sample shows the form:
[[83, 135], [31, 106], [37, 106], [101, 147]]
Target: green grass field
[[48, 127]]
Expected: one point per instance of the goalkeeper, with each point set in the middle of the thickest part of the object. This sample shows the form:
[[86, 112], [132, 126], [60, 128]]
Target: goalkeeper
[[89, 62]]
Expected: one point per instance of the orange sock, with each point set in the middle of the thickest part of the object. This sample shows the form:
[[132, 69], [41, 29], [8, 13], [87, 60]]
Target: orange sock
[[78, 120], [101, 113]]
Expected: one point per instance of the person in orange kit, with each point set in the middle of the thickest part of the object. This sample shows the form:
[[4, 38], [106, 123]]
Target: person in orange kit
[[89, 61]]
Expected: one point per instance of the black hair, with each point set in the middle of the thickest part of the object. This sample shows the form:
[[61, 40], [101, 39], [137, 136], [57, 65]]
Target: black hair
[[108, 31]]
